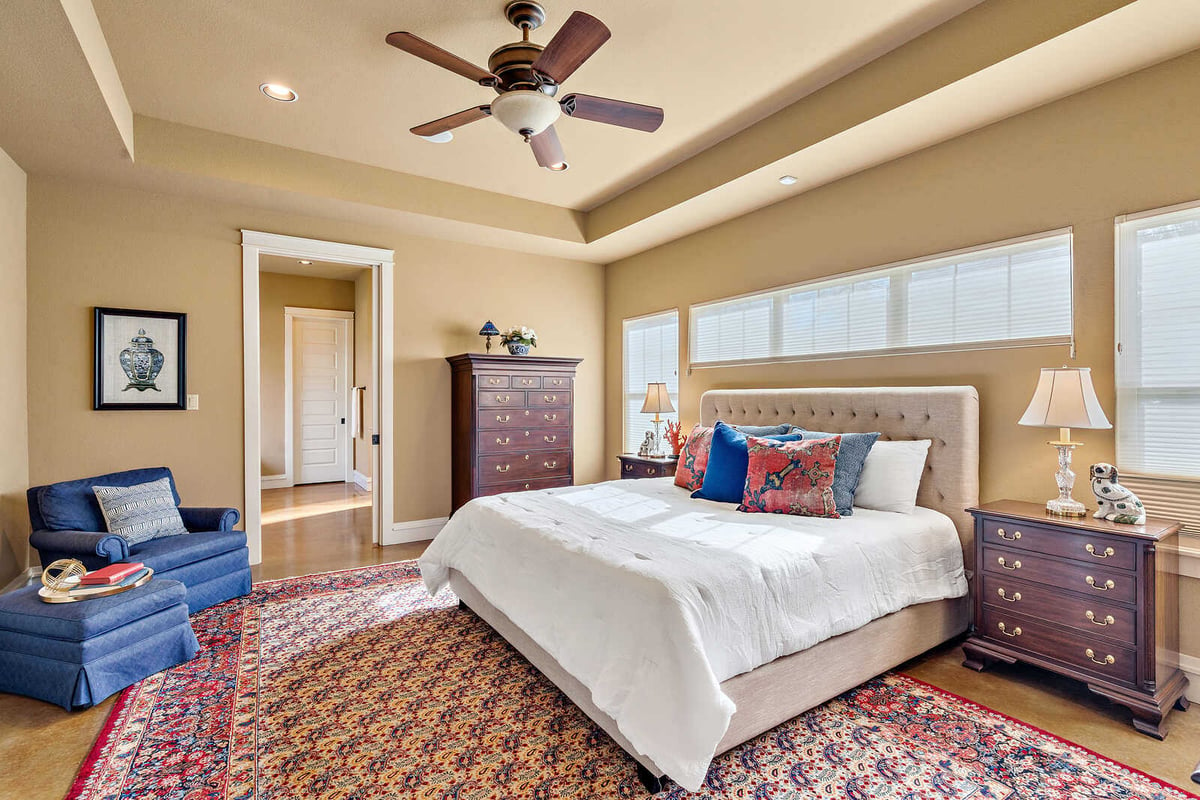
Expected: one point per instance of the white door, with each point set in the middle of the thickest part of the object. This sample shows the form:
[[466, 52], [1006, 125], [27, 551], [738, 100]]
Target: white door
[[322, 355]]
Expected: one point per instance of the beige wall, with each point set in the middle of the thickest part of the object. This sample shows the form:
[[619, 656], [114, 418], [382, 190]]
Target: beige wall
[[362, 369], [14, 440], [91, 244], [276, 291], [1082, 161]]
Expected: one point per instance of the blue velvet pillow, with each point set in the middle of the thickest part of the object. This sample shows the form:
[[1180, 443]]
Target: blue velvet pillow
[[728, 460], [849, 465]]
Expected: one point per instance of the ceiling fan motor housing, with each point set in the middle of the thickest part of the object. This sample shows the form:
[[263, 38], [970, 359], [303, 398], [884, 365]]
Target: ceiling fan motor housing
[[511, 63]]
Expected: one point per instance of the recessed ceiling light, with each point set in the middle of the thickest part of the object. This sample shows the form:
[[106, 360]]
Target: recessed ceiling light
[[277, 91], [561, 166], [439, 138], [306, 263], [788, 180]]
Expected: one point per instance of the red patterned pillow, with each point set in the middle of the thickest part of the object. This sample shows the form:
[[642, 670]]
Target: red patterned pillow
[[791, 477], [693, 459]]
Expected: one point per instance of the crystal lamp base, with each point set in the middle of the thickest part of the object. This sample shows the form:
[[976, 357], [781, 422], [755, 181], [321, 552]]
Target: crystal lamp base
[[1065, 505]]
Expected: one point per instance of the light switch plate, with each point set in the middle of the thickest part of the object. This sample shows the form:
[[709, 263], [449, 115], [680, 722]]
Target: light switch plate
[[193, 402]]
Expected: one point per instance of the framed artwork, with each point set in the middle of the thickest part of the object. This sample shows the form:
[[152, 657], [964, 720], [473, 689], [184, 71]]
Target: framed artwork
[[140, 361]]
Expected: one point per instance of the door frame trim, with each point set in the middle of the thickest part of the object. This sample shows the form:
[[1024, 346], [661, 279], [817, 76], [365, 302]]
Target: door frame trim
[[290, 313], [382, 265]]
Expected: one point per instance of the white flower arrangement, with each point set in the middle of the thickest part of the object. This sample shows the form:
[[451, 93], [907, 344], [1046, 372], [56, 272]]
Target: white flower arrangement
[[519, 334]]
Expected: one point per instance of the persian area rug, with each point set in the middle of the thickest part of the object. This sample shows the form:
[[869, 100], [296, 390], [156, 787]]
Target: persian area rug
[[358, 685]]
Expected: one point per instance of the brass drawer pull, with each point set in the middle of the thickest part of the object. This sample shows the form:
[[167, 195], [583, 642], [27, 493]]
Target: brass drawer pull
[[1108, 619], [550, 398], [1016, 535], [505, 440], [550, 438], [549, 464], [504, 418], [1014, 599], [651, 470], [1108, 584], [504, 468], [629, 467], [550, 417], [1004, 564], [494, 381], [527, 486], [1015, 631], [526, 382], [1108, 551], [1108, 659], [502, 399], [559, 381]]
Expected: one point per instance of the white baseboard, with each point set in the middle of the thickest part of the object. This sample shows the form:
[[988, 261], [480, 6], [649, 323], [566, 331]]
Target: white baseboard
[[362, 481], [276, 482], [417, 530], [1191, 667]]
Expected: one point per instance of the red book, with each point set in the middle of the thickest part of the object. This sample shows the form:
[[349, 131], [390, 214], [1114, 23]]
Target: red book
[[113, 573]]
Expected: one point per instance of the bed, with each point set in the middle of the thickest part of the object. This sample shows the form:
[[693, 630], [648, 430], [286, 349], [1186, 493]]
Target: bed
[[752, 696]]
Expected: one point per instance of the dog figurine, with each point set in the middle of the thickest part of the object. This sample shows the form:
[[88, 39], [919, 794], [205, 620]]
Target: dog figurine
[[1117, 504]]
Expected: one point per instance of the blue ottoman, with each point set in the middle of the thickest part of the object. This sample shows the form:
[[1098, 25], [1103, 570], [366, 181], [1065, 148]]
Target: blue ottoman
[[77, 654]]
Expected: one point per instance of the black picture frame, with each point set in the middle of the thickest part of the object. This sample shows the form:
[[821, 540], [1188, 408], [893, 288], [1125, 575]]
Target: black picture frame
[[134, 382]]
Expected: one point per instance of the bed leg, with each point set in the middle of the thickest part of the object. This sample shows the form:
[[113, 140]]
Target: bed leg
[[462, 606], [652, 782]]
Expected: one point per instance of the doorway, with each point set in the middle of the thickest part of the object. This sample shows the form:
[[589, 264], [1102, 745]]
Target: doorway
[[318, 400]]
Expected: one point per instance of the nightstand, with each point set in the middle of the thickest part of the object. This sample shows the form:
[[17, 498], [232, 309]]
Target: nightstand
[[645, 467], [1093, 600]]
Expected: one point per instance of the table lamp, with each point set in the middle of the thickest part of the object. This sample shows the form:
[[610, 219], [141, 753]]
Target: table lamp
[[1065, 399], [658, 401], [489, 330]]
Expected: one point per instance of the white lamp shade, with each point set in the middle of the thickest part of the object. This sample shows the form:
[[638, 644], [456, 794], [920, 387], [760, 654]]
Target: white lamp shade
[[658, 400], [526, 110], [1065, 398]]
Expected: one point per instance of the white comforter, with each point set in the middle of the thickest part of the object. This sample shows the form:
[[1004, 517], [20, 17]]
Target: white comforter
[[651, 599]]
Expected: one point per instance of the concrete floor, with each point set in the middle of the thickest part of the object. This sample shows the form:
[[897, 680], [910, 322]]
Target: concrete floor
[[321, 528]]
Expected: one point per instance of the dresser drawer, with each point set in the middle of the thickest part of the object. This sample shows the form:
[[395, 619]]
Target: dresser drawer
[[556, 382], [493, 382], [1089, 653], [640, 469], [512, 467], [1059, 542], [526, 381], [521, 440], [550, 398], [499, 418], [501, 398], [1110, 620], [1086, 579], [524, 486]]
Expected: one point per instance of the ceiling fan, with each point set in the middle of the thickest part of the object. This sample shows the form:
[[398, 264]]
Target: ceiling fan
[[526, 76]]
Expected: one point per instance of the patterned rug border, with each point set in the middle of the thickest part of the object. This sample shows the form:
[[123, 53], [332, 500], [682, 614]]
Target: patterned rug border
[[116, 715], [1035, 729]]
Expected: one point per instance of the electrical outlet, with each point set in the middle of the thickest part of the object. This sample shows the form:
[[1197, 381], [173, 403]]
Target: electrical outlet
[[193, 402]]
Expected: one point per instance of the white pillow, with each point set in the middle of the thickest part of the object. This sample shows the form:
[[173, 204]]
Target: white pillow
[[891, 476]]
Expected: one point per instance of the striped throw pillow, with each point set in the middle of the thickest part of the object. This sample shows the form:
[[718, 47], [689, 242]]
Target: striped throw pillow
[[140, 513]]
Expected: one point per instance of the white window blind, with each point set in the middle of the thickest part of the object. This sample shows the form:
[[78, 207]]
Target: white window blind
[[1158, 360], [1007, 294], [651, 353]]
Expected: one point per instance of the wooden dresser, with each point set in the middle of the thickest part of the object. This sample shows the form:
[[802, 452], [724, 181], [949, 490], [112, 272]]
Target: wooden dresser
[[1094, 600], [512, 424]]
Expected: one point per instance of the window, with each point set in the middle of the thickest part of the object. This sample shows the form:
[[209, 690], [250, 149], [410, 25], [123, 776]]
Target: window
[[1009, 294], [1158, 361], [651, 352]]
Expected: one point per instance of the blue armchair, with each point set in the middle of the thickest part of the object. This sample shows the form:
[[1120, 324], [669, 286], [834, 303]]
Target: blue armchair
[[211, 561]]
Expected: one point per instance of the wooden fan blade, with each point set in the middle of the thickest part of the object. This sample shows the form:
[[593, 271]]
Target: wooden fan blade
[[453, 121], [548, 150], [443, 58], [579, 37], [613, 112]]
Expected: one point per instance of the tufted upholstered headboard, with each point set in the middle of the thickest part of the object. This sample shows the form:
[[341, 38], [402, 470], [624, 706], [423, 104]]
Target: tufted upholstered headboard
[[946, 415]]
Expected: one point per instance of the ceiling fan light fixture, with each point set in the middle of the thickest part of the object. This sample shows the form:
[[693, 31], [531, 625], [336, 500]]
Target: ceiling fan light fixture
[[526, 112], [561, 166], [277, 91]]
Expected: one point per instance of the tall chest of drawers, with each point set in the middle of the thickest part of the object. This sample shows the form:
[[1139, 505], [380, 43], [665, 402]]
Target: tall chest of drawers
[[512, 424], [1093, 600]]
